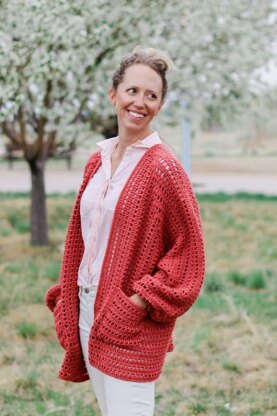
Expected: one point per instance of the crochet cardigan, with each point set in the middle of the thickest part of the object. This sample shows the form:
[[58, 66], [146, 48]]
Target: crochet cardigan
[[155, 249]]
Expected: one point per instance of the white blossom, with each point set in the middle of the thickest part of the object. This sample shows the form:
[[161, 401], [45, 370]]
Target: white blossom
[[70, 48]]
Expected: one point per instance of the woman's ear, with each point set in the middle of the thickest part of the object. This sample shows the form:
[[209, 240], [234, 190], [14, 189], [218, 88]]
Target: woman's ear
[[112, 94]]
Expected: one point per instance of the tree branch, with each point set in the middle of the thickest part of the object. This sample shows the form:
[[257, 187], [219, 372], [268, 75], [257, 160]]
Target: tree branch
[[103, 53], [49, 143], [22, 126], [42, 119], [79, 112], [10, 132]]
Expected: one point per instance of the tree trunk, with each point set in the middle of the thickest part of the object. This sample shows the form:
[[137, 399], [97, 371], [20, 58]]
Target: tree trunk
[[110, 128], [39, 232]]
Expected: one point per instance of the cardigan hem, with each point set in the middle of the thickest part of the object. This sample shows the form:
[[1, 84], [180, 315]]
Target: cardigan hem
[[126, 376], [111, 362], [79, 379]]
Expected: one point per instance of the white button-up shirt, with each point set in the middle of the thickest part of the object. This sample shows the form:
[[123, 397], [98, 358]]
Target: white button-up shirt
[[99, 200]]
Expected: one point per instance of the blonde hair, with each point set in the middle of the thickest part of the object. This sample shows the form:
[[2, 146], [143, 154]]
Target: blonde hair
[[156, 59]]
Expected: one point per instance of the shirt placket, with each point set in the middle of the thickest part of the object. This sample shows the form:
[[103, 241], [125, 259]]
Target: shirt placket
[[97, 224], [107, 173]]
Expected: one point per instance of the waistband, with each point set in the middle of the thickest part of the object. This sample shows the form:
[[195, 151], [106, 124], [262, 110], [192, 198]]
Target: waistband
[[87, 289]]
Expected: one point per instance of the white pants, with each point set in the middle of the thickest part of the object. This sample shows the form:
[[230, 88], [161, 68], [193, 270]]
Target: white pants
[[115, 397]]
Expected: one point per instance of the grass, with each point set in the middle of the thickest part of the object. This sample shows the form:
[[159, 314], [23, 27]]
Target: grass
[[256, 279], [52, 270], [237, 278], [19, 223], [224, 357], [223, 197], [231, 366], [26, 329], [213, 283]]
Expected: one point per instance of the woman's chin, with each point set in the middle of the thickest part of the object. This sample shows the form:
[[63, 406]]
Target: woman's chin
[[131, 126]]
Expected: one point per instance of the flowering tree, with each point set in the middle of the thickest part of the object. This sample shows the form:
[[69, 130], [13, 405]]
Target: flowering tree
[[219, 48], [57, 59], [54, 54]]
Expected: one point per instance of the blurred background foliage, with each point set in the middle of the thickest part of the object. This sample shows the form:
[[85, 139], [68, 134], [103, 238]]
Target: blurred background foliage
[[57, 60]]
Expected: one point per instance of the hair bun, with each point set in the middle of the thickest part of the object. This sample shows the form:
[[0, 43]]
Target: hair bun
[[156, 59], [157, 54]]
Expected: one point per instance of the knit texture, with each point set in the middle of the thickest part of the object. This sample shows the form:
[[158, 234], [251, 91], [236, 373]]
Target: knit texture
[[155, 249]]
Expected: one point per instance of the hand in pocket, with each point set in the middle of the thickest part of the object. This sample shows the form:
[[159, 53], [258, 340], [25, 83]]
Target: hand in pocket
[[137, 300], [122, 323]]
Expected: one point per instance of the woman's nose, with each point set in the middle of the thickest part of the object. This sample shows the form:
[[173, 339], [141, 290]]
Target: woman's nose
[[139, 101]]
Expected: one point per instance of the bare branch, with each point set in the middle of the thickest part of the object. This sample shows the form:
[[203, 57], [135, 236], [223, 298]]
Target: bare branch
[[22, 125], [103, 53], [42, 120], [9, 130], [79, 112], [50, 142]]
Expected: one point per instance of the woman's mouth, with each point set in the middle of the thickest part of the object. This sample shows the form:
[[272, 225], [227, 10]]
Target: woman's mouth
[[135, 116]]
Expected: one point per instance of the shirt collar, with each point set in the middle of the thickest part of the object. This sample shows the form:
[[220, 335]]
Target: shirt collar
[[107, 145]]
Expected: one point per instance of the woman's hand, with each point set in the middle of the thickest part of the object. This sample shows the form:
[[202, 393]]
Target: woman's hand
[[138, 301]]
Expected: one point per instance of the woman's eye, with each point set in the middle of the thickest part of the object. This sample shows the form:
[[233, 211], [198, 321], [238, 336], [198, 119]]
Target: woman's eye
[[151, 95]]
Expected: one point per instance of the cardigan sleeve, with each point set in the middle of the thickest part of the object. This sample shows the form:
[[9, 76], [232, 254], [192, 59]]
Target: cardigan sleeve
[[179, 274], [52, 296]]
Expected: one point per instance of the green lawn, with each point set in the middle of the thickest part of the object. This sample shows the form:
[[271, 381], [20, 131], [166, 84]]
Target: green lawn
[[225, 347]]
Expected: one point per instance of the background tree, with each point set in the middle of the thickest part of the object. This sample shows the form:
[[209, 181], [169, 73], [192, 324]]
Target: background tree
[[58, 58], [51, 51]]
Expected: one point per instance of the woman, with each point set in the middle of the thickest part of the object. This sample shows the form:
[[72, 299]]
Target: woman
[[134, 256]]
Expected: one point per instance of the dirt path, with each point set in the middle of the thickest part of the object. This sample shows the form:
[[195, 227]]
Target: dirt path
[[232, 183], [63, 181]]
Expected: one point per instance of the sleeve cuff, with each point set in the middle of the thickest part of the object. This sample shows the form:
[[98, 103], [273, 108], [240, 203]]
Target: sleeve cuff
[[52, 296]]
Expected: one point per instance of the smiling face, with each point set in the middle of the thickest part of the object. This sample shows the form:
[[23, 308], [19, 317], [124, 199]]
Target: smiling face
[[137, 99]]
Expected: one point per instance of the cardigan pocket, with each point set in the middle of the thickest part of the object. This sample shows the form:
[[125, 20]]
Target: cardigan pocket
[[122, 322], [57, 312]]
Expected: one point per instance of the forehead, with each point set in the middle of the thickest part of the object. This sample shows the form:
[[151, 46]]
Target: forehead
[[142, 76]]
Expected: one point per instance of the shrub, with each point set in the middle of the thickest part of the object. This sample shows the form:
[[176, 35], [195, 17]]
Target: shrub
[[256, 280], [237, 278], [213, 283], [26, 329], [19, 223], [231, 366]]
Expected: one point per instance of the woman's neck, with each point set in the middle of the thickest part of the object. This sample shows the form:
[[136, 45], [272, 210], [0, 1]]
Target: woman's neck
[[127, 138]]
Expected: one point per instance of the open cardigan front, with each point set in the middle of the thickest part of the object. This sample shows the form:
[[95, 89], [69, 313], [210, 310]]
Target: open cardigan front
[[155, 248]]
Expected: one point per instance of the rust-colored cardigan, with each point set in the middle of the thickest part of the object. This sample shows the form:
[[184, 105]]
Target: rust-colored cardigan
[[155, 249]]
